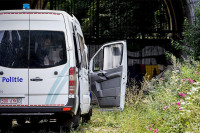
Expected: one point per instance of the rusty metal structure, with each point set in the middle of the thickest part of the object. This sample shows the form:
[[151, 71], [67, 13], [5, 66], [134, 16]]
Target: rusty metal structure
[[147, 25]]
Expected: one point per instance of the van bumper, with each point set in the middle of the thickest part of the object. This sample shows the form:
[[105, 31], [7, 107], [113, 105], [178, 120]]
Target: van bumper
[[34, 109], [68, 108]]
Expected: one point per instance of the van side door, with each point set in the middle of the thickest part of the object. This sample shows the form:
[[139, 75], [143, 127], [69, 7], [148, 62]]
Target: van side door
[[81, 50], [108, 75]]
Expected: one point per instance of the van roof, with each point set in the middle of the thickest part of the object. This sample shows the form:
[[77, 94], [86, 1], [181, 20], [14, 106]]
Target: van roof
[[22, 11]]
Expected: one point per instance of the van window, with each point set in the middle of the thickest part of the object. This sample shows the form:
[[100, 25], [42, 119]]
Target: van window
[[112, 56], [76, 51], [98, 61], [14, 48], [108, 58], [83, 54], [47, 49]]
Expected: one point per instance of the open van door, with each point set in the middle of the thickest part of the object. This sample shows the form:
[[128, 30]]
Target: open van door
[[108, 75]]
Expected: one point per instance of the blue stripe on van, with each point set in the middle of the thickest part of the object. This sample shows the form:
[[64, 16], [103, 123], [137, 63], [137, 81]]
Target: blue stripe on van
[[66, 67], [64, 81]]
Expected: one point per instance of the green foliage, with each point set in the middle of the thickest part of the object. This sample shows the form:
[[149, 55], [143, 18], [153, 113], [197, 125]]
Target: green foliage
[[128, 16], [190, 44], [172, 105], [125, 19]]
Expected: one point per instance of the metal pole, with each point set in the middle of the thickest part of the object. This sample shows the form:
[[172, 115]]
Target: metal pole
[[97, 22], [51, 4]]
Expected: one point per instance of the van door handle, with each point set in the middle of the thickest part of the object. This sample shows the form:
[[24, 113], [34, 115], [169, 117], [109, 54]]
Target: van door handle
[[37, 79]]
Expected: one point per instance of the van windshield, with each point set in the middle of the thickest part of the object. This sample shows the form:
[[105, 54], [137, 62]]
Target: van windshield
[[33, 49]]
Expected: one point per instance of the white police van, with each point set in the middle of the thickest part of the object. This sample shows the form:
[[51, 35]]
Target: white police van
[[44, 70]]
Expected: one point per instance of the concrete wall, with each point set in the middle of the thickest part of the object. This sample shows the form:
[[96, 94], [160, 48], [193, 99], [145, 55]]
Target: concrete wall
[[190, 9]]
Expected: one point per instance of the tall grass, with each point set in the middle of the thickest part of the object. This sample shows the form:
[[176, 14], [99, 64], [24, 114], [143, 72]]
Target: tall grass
[[166, 105]]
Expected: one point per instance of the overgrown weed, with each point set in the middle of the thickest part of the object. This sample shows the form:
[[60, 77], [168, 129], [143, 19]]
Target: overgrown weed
[[165, 105]]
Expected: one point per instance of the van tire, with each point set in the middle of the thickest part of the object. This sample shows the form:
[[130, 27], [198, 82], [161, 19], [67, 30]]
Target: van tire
[[65, 122], [87, 117], [76, 120]]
